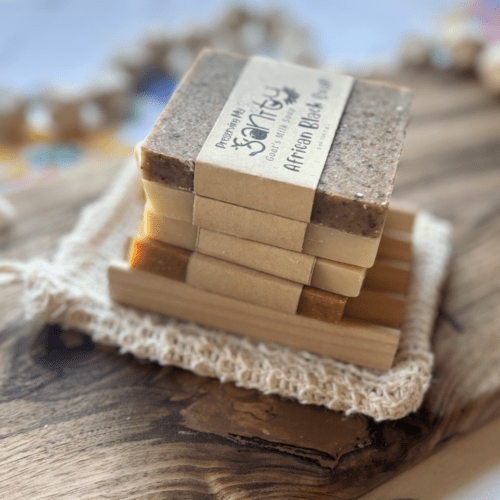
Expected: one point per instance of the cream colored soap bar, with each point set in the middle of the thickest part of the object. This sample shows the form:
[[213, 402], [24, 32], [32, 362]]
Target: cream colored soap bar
[[178, 204], [353, 341], [335, 277], [343, 247], [173, 203], [173, 231]]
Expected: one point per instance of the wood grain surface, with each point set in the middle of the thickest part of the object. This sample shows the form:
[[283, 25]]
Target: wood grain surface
[[79, 420]]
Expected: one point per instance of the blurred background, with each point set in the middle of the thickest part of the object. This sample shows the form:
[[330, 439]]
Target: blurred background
[[76, 75]]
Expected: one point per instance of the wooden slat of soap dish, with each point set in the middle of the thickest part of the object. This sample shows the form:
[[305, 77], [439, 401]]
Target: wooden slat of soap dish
[[352, 341], [388, 275], [383, 296], [377, 307], [395, 245]]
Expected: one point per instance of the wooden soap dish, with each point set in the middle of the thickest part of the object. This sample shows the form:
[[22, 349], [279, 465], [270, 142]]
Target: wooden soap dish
[[362, 337]]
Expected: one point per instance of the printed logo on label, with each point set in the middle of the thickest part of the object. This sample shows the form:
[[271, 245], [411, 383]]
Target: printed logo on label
[[277, 126], [268, 117], [256, 130]]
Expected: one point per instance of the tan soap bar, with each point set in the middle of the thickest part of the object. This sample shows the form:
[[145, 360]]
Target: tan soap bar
[[328, 275], [178, 204], [357, 180], [337, 277], [159, 258], [378, 305], [352, 341], [386, 274], [228, 279], [172, 203]]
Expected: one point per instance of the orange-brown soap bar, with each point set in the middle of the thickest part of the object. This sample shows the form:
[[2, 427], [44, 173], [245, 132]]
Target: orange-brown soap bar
[[172, 262], [159, 258], [322, 305]]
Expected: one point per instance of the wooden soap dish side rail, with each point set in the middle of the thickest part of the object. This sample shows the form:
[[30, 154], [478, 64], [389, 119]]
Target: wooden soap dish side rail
[[388, 275], [396, 238], [383, 296], [377, 307]]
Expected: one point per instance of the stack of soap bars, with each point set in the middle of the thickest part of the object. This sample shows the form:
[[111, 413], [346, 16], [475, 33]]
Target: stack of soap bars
[[334, 284]]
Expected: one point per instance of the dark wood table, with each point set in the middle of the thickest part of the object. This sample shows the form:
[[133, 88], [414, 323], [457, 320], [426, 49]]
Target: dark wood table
[[78, 420]]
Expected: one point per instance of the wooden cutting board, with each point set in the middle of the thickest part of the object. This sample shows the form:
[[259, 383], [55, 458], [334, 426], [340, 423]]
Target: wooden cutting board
[[78, 420]]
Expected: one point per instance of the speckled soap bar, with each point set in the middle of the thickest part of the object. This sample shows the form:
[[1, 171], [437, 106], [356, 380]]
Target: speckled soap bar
[[358, 177]]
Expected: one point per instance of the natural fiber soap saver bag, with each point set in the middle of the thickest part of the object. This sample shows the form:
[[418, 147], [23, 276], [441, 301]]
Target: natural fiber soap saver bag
[[72, 290]]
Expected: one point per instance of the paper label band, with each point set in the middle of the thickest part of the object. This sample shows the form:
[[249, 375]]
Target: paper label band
[[269, 145]]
